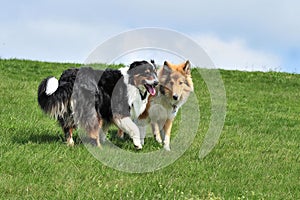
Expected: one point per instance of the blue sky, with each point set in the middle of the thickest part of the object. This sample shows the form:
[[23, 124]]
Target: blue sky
[[244, 35]]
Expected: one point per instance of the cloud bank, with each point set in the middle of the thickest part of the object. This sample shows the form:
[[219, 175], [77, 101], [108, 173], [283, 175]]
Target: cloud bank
[[235, 54], [245, 35]]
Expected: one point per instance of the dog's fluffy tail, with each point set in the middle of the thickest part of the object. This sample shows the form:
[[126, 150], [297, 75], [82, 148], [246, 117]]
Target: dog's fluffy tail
[[54, 96]]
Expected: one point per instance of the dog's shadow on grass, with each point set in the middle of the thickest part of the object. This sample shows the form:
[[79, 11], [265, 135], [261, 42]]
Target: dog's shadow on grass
[[48, 138], [38, 138]]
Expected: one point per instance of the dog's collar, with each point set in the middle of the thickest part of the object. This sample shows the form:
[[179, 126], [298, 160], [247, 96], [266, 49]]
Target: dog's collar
[[174, 106], [143, 96]]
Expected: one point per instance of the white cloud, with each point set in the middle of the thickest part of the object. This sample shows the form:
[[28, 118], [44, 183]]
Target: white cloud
[[52, 40], [236, 55], [159, 56]]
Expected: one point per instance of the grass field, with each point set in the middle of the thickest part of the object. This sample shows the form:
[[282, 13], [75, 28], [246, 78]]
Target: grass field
[[257, 156]]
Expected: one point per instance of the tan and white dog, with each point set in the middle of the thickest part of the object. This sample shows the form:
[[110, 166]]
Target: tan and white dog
[[175, 86]]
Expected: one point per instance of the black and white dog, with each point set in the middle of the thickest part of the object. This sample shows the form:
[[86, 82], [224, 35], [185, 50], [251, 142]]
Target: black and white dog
[[93, 99]]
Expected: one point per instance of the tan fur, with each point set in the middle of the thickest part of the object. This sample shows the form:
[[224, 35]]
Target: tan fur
[[168, 127], [145, 114], [177, 70], [175, 79]]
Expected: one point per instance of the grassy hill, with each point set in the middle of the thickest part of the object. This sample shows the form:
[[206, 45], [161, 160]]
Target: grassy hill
[[257, 156]]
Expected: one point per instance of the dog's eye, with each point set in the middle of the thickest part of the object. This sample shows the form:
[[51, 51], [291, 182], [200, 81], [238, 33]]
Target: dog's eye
[[181, 82], [172, 83]]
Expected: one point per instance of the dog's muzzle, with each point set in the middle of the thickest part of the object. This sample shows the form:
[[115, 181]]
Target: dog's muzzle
[[150, 86]]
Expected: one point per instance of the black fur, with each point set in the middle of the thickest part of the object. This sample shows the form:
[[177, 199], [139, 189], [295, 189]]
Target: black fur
[[86, 96], [62, 94]]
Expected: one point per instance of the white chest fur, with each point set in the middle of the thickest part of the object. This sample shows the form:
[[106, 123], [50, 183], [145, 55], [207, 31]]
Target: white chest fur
[[138, 105], [165, 102], [135, 101]]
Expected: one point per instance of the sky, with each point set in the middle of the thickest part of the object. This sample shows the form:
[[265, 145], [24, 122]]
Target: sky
[[244, 35]]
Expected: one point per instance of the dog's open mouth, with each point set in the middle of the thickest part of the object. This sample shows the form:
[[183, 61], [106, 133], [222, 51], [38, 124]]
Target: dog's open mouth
[[150, 89]]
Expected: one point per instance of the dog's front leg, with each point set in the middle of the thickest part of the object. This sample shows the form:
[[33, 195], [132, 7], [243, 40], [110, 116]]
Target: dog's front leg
[[156, 132], [128, 126], [141, 123], [167, 130], [142, 130]]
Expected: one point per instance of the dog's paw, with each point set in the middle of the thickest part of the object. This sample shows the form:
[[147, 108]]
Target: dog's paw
[[138, 147], [137, 143], [70, 142], [102, 138], [120, 134], [158, 139], [167, 147], [99, 146]]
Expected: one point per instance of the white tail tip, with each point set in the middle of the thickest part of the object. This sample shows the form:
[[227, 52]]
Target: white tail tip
[[52, 85]]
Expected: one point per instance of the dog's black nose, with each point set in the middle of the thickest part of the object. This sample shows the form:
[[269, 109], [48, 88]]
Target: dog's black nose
[[155, 83], [175, 97]]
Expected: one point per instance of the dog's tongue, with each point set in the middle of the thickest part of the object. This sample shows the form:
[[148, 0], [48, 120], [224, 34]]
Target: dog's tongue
[[151, 89]]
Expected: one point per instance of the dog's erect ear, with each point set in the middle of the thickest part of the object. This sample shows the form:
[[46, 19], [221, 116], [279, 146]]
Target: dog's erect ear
[[166, 67], [187, 67], [153, 63]]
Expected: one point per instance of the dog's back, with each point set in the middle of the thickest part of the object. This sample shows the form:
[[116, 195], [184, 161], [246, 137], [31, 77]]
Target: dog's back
[[89, 98]]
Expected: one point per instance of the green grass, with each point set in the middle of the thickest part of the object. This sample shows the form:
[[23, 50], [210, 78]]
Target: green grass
[[257, 156]]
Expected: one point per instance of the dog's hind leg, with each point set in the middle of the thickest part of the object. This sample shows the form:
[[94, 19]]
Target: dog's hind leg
[[128, 126], [69, 137], [93, 128], [94, 136], [120, 134], [103, 131], [68, 131]]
